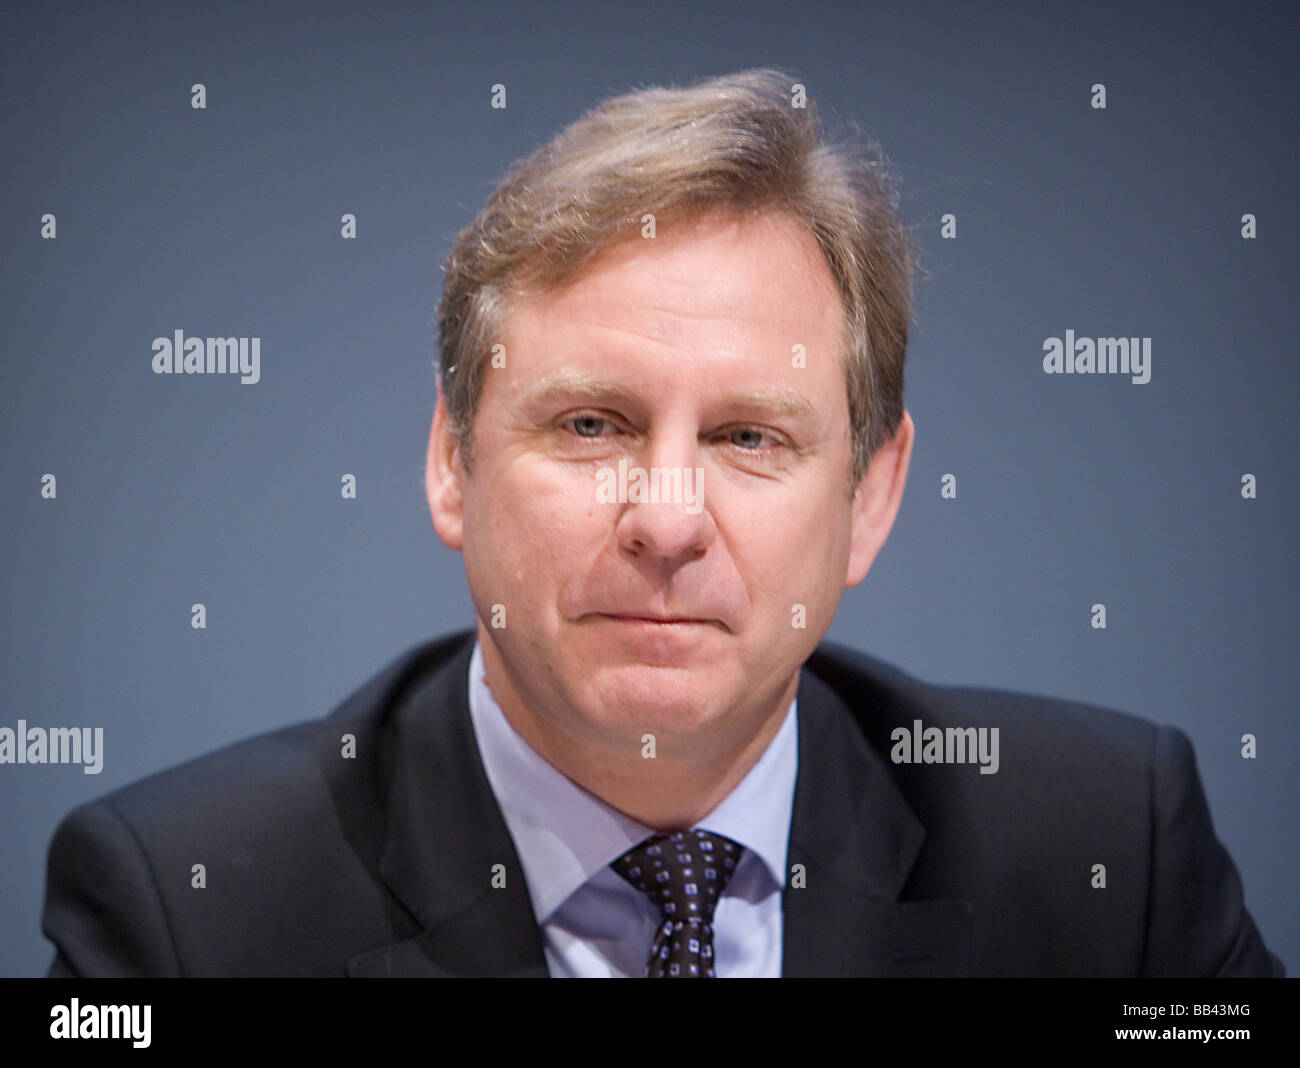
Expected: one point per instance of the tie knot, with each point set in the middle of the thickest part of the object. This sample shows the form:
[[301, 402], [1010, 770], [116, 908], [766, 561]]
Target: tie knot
[[683, 873]]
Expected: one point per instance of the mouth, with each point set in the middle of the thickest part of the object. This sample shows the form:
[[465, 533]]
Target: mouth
[[631, 617], [657, 640]]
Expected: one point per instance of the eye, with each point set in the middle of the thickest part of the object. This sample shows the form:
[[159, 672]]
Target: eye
[[588, 426], [753, 445], [749, 438]]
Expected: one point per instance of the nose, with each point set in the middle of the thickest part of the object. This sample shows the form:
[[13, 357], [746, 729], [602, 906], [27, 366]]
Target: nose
[[665, 520]]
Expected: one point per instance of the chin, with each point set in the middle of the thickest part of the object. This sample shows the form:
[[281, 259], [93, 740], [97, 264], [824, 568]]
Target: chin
[[640, 693]]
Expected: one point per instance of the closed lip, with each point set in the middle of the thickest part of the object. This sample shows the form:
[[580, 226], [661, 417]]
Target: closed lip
[[638, 617]]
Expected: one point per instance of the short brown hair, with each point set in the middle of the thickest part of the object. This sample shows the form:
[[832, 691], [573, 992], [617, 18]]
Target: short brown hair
[[735, 141]]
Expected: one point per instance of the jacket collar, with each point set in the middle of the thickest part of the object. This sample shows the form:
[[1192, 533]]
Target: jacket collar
[[853, 843]]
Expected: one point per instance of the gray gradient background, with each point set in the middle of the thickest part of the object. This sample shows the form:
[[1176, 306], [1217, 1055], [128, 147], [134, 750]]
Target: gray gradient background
[[1073, 489]]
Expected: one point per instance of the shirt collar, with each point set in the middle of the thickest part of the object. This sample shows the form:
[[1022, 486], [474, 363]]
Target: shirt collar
[[565, 835]]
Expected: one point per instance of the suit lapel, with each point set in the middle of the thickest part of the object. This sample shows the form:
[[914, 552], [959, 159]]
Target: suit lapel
[[858, 840], [446, 840]]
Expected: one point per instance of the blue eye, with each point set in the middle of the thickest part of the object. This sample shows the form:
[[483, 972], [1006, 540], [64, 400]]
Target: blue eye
[[588, 426], [754, 437]]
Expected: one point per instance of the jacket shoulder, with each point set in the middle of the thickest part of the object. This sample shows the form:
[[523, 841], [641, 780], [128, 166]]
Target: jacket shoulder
[[882, 695], [173, 859], [267, 771], [1091, 820]]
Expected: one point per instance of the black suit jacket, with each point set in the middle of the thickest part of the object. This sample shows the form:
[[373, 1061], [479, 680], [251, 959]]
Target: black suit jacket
[[381, 865]]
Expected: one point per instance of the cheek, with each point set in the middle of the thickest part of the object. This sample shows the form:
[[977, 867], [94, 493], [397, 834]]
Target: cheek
[[525, 530], [800, 559]]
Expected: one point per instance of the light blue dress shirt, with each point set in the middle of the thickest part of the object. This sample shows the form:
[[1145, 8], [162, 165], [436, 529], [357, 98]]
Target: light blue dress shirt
[[593, 922]]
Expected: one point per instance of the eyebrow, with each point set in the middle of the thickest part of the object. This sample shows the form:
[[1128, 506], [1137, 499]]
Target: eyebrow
[[578, 385]]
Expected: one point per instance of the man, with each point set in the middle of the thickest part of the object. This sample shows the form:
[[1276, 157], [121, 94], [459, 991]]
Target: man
[[669, 433]]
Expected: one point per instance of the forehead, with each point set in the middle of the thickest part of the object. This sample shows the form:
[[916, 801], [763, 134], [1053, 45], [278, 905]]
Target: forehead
[[753, 285]]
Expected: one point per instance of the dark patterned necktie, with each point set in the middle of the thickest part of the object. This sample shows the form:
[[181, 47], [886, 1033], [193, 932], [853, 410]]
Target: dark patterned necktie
[[684, 874]]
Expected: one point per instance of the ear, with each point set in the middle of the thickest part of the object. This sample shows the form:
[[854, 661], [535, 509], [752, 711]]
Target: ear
[[876, 501], [443, 479]]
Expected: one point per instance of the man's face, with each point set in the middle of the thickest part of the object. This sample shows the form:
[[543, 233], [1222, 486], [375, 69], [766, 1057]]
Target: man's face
[[706, 354]]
